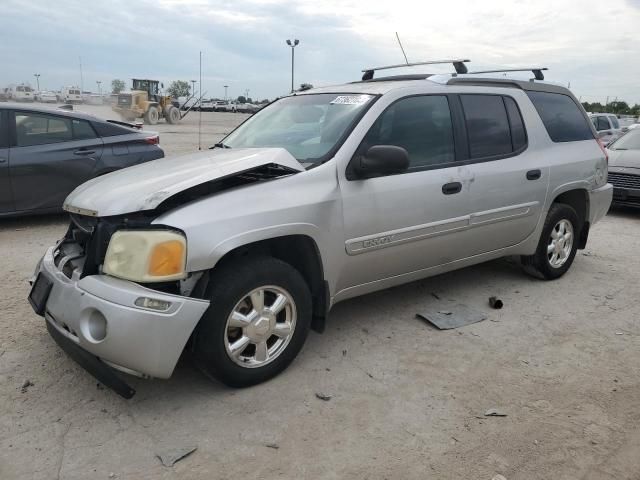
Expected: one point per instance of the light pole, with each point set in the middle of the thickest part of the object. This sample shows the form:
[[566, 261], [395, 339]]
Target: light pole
[[246, 94], [193, 87], [293, 45], [37, 75], [99, 89], [225, 92]]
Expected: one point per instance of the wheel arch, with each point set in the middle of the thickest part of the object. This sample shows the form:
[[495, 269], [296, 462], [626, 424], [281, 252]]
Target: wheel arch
[[578, 199], [300, 250]]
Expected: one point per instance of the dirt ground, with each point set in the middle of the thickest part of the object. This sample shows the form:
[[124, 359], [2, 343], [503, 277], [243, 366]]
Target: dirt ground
[[407, 401]]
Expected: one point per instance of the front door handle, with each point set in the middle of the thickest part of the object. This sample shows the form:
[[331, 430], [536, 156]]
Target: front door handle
[[534, 174], [451, 188], [84, 152]]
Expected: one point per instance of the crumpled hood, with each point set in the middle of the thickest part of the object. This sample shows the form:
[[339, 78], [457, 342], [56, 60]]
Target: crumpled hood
[[145, 186], [624, 159]]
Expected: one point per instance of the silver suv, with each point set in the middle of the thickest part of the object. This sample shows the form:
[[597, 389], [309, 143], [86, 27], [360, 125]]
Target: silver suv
[[236, 252], [607, 127]]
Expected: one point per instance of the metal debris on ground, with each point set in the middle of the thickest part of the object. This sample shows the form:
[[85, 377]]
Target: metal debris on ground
[[457, 316], [323, 396], [171, 456], [26, 385], [495, 302], [494, 412], [275, 446]]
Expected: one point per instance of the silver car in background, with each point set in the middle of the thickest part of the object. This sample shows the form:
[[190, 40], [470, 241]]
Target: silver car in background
[[624, 169], [236, 252]]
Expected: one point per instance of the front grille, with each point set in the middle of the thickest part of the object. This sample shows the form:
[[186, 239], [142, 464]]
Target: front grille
[[124, 100], [624, 180]]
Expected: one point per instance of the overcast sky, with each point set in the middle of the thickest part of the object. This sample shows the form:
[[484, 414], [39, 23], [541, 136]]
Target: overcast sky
[[591, 43]]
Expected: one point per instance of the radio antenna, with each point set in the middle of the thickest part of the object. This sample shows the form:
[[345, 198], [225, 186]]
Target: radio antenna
[[402, 48], [200, 113]]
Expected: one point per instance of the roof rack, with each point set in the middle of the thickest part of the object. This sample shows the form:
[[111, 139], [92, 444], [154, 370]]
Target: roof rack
[[537, 71], [457, 64]]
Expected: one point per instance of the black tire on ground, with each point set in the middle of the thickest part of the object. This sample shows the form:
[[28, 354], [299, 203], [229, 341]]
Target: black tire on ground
[[151, 116], [229, 284], [539, 264], [172, 114]]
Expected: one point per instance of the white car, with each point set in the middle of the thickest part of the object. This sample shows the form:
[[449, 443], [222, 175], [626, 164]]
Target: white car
[[46, 97], [71, 95], [20, 93]]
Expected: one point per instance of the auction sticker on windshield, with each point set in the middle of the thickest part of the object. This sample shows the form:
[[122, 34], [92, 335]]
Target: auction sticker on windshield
[[350, 100]]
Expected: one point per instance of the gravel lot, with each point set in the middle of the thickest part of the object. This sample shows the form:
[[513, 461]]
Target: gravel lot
[[408, 402]]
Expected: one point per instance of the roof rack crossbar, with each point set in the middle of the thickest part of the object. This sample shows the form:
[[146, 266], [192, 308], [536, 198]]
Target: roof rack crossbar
[[537, 71], [458, 64]]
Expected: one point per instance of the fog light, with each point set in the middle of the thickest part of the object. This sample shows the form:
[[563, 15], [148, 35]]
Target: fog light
[[93, 326], [153, 303]]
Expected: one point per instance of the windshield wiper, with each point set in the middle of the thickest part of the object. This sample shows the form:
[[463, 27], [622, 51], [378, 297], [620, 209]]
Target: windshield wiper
[[219, 145], [619, 149]]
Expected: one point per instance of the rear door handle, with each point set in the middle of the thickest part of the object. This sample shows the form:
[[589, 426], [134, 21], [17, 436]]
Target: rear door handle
[[84, 152], [534, 174], [451, 188]]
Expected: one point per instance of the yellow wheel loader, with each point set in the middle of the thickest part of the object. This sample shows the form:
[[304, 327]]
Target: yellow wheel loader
[[146, 101]]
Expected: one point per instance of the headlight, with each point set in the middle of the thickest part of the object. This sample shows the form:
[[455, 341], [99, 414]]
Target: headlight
[[146, 255]]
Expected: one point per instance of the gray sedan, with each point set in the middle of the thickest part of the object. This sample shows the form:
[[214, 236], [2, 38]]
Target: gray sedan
[[45, 153], [624, 168]]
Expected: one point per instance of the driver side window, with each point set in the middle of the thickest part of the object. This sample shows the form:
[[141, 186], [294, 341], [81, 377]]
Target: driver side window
[[421, 125]]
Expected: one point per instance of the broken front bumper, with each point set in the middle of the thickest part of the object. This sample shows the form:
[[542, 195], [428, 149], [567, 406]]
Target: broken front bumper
[[98, 314]]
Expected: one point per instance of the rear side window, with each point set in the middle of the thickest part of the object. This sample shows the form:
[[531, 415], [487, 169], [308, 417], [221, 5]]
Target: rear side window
[[106, 129], [82, 130], [561, 117], [487, 125], [40, 129], [518, 133], [614, 122], [602, 123]]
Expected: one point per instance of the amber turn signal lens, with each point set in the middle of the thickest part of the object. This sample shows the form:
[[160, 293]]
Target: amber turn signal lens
[[167, 258]]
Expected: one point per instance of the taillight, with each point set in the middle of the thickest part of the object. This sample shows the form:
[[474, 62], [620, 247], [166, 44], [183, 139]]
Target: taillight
[[604, 151], [155, 140]]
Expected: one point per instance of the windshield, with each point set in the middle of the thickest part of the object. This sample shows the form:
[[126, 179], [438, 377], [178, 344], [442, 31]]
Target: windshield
[[307, 126], [629, 141]]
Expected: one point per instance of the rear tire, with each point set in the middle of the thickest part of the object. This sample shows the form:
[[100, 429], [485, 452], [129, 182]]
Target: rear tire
[[172, 114], [151, 116], [557, 246], [247, 337]]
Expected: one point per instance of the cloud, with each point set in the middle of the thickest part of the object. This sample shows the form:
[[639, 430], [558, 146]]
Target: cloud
[[589, 44]]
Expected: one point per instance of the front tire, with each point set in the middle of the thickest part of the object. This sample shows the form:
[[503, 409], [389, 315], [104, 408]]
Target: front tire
[[151, 116], [257, 322], [557, 246], [172, 115]]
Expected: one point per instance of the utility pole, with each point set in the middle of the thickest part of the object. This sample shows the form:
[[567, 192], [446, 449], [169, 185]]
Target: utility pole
[[81, 78], [200, 109], [37, 75], [293, 45], [225, 92], [246, 94], [99, 89]]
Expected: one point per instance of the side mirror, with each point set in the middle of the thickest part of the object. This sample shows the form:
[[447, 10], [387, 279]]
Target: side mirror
[[381, 160]]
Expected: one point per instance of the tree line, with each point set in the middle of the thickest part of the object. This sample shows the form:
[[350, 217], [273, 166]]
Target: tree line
[[618, 107]]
